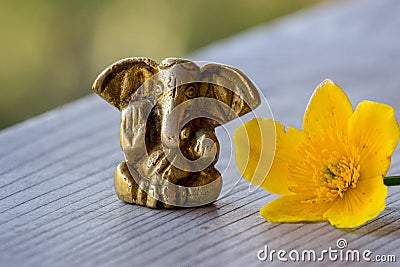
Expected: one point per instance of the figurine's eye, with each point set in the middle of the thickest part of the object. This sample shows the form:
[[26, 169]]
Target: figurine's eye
[[190, 92], [159, 88]]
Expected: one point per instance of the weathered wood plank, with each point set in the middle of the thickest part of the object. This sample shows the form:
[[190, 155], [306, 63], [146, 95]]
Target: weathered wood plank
[[44, 124], [57, 203]]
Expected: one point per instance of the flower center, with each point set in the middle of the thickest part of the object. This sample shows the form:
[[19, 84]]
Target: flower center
[[337, 178]]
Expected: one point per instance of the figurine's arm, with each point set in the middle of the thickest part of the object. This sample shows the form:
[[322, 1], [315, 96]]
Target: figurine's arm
[[133, 128], [203, 145], [206, 145]]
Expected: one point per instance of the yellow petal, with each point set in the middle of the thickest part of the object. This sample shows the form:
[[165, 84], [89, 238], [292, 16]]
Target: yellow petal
[[254, 143], [328, 109], [373, 129], [359, 204], [255, 151], [279, 179], [293, 209]]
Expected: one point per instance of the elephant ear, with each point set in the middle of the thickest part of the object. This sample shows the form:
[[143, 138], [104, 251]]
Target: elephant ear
[[231, 87], [119, 83]]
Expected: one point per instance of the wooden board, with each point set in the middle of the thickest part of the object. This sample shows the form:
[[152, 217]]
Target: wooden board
[[57, 201]]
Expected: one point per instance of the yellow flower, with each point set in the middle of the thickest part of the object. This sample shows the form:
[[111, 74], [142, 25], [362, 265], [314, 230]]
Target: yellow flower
[[332, 170]]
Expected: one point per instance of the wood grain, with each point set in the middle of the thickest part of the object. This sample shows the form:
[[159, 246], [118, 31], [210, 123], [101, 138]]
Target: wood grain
[[57, 203]]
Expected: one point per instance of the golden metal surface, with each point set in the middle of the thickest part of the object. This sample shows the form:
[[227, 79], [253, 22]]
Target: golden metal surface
[[169, 112]]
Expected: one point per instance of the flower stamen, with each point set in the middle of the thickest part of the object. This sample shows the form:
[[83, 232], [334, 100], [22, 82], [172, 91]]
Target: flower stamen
[[337, 178]]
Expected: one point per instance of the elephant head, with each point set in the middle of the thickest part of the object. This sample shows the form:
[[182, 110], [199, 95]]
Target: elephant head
[[119, 83]]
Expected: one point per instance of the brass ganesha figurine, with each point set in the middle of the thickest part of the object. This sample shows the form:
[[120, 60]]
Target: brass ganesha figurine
[[169, 112]]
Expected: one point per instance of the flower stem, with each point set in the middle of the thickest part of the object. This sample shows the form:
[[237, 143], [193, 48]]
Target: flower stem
[[391, 180]]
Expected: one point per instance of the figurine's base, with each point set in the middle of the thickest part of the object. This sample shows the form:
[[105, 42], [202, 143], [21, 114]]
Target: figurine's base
[[159, 195]]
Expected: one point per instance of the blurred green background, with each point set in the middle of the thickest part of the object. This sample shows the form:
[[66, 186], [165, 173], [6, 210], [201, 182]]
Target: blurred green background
[[52, 50]]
